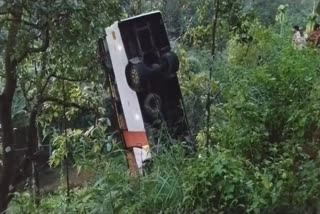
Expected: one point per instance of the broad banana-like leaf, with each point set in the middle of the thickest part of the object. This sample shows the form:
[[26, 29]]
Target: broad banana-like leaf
[[310, 24]]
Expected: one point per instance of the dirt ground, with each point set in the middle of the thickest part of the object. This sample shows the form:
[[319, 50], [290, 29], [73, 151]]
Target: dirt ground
[[50, 179]]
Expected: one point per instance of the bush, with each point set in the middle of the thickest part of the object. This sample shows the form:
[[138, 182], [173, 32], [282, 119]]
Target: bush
[[269, 114], [258, 161]]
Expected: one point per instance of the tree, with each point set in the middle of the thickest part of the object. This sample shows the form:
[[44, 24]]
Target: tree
[[29, 28]]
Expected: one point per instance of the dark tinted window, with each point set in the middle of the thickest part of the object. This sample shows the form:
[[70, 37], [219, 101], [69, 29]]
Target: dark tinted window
[[145, 40]]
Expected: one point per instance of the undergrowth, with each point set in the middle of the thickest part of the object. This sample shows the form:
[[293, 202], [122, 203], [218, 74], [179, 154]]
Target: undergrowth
[[264, 119]]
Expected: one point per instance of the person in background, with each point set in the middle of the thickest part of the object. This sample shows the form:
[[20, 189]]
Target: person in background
[[298, 38], [314, 37]]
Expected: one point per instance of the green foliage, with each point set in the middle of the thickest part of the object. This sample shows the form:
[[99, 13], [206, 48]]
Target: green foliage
[[270, 110], [267, 113], [23, 203], [216, 183], [194, 69], [83, 146], [270, 90], [266, 10], [115, 192]]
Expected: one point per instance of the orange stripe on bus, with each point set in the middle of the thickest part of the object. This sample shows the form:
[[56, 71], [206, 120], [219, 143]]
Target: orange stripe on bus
[[135, 139]]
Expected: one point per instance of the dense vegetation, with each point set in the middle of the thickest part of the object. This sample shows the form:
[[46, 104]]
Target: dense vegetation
[[259, 156]]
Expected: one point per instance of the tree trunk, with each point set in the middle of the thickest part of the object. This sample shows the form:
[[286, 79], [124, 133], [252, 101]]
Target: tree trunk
[[32, 149], [214, 28], [6, 99], [213, 53], [8, 152]]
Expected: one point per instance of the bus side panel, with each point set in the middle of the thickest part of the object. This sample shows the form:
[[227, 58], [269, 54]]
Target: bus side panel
[[129, 99]]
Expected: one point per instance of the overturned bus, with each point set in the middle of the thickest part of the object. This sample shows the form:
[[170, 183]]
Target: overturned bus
[[141, 71]]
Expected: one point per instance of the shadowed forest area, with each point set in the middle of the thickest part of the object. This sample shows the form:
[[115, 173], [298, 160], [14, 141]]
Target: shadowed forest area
[[250, 82]]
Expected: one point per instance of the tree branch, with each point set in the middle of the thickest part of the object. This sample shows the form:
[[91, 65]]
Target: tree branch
[[66, 104], [45, 44], [45, 40], [4, 10], [34, 25], [68, 79], [43, 88], [24, 91]]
